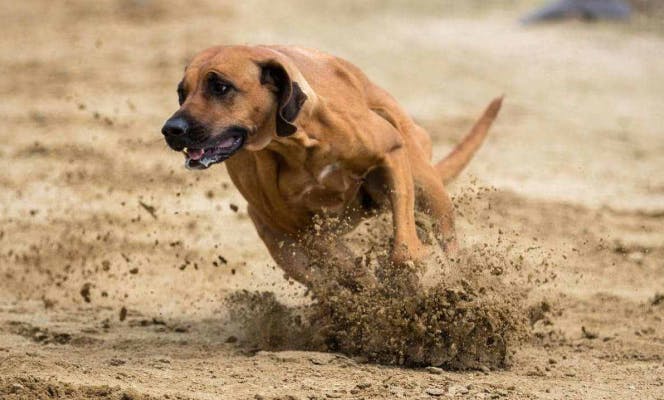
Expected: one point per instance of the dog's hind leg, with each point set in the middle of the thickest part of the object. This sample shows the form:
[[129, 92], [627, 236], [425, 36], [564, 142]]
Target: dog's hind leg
[[312, 256], [284, 250]]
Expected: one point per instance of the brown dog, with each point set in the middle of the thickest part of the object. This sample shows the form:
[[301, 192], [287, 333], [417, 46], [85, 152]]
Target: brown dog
[[305, 134]]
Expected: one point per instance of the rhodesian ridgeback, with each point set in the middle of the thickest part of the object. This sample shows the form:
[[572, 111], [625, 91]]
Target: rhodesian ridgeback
[[307, 134]]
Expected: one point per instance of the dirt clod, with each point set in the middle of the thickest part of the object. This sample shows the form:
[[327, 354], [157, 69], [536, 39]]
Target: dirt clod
[[152, 210], [85, 292], [588, 334]]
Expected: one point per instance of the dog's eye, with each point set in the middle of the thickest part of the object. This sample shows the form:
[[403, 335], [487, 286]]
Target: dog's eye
[[182, 95], [218, 87]]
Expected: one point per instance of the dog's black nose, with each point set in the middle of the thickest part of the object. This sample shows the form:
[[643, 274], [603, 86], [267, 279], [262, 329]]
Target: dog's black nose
[[176, 126]]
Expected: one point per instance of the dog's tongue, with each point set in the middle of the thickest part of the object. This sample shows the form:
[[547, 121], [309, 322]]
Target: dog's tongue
[[228, 142], [195, 154]]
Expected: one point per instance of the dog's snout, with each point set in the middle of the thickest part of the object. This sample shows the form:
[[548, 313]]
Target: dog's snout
[[176, 126]]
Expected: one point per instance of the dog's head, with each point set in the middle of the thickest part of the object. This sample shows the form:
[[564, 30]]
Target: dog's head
[[233, 98]]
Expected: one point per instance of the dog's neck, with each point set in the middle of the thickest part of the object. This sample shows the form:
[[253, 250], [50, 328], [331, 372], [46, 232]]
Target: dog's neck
[[292, 149]]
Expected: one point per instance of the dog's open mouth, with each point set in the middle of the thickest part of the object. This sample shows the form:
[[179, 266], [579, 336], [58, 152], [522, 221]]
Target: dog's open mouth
[[225, 146]]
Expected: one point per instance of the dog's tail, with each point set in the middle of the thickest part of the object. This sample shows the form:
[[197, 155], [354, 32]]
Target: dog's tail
[[449, 167]]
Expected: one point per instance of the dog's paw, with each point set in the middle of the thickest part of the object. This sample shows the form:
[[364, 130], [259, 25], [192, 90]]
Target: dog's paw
[[404, 254]]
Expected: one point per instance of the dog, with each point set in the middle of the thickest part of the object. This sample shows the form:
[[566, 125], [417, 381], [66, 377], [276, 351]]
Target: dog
[[306, 134]]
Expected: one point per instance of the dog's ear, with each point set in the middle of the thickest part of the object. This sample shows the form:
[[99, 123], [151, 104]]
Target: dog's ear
[[289, 94]]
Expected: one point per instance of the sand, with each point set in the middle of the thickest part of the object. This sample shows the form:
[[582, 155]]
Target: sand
[[124, 276]]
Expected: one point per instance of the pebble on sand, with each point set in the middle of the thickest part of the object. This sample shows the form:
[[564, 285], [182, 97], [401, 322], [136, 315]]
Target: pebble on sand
[[434, 392]]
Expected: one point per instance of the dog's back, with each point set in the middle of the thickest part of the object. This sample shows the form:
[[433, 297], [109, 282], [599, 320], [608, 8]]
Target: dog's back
[[329, 76]]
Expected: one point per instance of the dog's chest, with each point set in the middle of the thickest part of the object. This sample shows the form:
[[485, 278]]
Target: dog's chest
[[328, 186]]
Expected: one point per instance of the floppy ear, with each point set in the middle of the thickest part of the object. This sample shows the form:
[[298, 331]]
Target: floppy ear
[[289, 94]]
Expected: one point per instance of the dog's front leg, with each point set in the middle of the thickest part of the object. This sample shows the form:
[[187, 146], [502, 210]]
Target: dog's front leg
[[407, 245]]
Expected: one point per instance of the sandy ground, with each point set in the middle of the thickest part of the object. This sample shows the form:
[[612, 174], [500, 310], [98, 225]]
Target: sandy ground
[[115, 261]]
